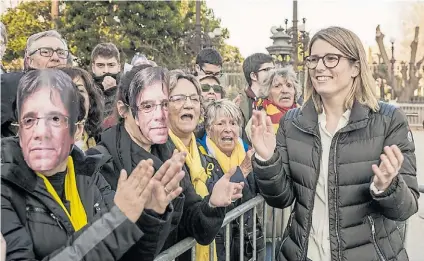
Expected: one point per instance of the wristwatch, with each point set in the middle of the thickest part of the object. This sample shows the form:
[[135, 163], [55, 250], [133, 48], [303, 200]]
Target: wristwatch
[[375, 189]]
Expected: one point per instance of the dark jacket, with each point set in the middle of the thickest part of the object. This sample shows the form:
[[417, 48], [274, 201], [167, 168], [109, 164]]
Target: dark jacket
[[192, 216], [9, 88], [36, 228], [250, 191], [362, 224]]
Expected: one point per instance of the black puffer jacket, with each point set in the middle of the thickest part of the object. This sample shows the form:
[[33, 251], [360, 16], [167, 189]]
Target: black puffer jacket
[[36, 228], [362, 224], [192, 216]]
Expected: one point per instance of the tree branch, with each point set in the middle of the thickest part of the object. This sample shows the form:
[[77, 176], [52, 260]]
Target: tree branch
[[379, 37], [414, 47]]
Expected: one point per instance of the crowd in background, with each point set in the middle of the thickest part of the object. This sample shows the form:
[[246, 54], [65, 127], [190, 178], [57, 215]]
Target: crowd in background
[[123, 161]]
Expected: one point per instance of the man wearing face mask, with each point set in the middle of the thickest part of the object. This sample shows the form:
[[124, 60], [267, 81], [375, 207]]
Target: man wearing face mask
[[43, 50], [106, 66]]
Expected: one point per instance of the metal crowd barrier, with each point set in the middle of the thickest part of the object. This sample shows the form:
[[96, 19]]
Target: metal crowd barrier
[[189, 243]]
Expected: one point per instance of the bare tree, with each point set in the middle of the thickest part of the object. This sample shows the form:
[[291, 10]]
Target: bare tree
[[405, 86]]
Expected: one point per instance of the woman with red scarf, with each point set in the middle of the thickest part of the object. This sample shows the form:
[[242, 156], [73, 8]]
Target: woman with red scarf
[[281, 92]]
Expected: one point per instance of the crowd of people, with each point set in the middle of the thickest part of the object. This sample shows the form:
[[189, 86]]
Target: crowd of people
[[124, 161]]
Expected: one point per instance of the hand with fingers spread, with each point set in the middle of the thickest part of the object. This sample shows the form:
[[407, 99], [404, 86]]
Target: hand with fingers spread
[[391, 162], [263, 136], [167, 183], [133, 191], [225, 192], [246, 164]]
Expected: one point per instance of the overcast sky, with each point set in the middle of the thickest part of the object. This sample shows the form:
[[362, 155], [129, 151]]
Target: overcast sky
[[249, 21]]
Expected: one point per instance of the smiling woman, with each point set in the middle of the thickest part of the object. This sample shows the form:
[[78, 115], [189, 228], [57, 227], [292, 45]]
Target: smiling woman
[[344, 159]]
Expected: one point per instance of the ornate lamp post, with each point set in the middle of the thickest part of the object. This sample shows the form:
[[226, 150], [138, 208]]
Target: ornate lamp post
[[281, 44], [392, 61]]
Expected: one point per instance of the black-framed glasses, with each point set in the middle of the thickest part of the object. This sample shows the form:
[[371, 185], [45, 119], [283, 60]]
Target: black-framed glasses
[[54, 120], [266, 69], [216, 88], [214, 74], [48, 52], [180, 99], [149, 106], [330, 60]]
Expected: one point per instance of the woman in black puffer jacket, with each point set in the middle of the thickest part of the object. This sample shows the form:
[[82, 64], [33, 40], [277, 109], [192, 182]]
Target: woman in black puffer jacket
[[346, 160]]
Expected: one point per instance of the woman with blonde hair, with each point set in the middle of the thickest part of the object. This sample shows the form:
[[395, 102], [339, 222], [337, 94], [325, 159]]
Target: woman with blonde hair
[[346, 160]]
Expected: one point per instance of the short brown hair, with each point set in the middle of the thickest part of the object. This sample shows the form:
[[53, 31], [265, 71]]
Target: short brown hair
[[107, 50]]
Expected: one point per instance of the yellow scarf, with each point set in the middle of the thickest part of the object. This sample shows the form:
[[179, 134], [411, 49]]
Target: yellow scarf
[[226, 163], [79, 217], [198, 178]]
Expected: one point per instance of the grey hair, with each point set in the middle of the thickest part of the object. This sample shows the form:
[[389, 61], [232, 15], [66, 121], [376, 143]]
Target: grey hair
[[3, 32], [288, 74], [144, 78], [35, 37], [57, 81], [222, 107], [175, 75]]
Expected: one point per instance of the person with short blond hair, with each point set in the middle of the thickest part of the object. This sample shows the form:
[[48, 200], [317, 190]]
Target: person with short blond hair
[[345, 159]]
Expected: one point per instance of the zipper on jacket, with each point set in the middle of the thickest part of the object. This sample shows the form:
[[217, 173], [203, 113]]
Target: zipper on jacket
[[97, 207], [40, 210], [374, 239], [309, 227], [57, 220], [288, 230], [336, 194]]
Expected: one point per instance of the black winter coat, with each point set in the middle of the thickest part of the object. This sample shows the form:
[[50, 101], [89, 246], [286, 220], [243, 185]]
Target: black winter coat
[[192, 216], [362, 224], [35, 227], [9, 88]]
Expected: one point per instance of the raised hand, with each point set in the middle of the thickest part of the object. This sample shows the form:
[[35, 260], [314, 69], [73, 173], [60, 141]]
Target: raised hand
[[263, 136], [246, 164], [225, 192], [108, 82], [237, 100], [133, 191], [391, 162], [3, 248], [167, 183]]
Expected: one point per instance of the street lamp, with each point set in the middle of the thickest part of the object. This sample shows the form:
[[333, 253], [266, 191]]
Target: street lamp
[[281, 44], [392, 61]]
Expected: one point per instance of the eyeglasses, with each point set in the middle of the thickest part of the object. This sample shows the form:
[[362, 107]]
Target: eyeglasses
[[215, 87], [48, 52], [215, 74], [267, 69], [180, 99], [330, 60], [55, 120], [149, 106]]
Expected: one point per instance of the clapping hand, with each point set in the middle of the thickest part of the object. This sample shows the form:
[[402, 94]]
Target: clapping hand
[[246, 164], [225, 192], [263, 136], [133, 191], [391, 162], [167, 183]]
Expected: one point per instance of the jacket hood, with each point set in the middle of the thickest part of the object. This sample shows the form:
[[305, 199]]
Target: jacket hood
[[15, 169]]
